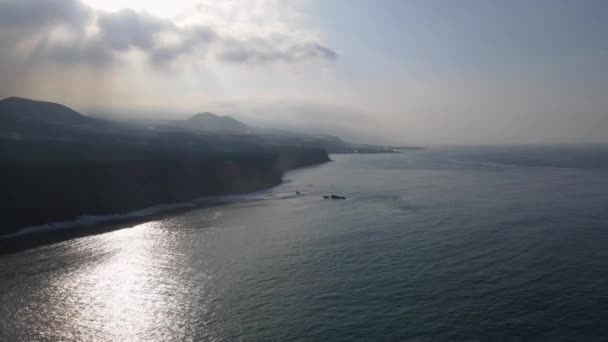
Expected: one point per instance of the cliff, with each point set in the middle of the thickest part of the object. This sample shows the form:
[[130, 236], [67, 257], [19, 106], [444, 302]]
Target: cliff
[[61, 165]]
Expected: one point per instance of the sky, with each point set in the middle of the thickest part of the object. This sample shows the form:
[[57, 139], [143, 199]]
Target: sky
[[384, 71]]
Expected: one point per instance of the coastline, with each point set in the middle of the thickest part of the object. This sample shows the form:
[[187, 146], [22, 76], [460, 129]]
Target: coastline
[[46, 234], [88, 225]]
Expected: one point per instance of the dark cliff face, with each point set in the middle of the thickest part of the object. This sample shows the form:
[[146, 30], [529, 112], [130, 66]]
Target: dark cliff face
[[56, 165], [40, 193], [36, 194], [295, 157]]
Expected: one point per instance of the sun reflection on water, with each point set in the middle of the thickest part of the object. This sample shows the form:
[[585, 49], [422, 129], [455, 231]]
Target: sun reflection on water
[[132, 293]]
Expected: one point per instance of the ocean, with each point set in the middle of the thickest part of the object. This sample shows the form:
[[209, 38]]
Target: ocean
[[495, 243]]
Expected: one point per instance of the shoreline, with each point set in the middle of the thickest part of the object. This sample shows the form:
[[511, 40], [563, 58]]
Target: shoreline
[[83, 226]]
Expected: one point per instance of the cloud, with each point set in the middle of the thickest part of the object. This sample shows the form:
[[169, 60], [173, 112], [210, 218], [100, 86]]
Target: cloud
[[67, 32], [128, 29], [38, 14], [191, 39], [269, 51], [137, 61], [90, 52]]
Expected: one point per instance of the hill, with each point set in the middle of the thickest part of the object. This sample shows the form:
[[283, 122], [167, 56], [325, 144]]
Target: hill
[[20, 110], [211, 122]]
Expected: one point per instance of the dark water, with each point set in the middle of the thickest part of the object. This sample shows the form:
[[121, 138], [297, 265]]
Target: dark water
[[485, 244]]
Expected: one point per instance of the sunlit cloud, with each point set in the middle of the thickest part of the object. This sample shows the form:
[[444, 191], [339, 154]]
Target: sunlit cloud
[[100, 38]]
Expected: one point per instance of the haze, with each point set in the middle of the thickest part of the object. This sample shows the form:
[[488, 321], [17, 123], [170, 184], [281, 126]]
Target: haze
[[404, 72]]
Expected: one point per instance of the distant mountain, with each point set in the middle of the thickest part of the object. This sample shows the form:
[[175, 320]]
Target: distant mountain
[[27, 118], [22, 110], [210, 122]]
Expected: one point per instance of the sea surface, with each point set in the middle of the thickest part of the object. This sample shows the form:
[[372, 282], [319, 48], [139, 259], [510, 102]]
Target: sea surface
[[445, 244]]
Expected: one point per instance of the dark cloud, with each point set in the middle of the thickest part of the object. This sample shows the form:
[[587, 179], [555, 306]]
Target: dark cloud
[[25, 35], [128, 29], [33, 21], [310, 51], [264, 51], [37, 14]]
